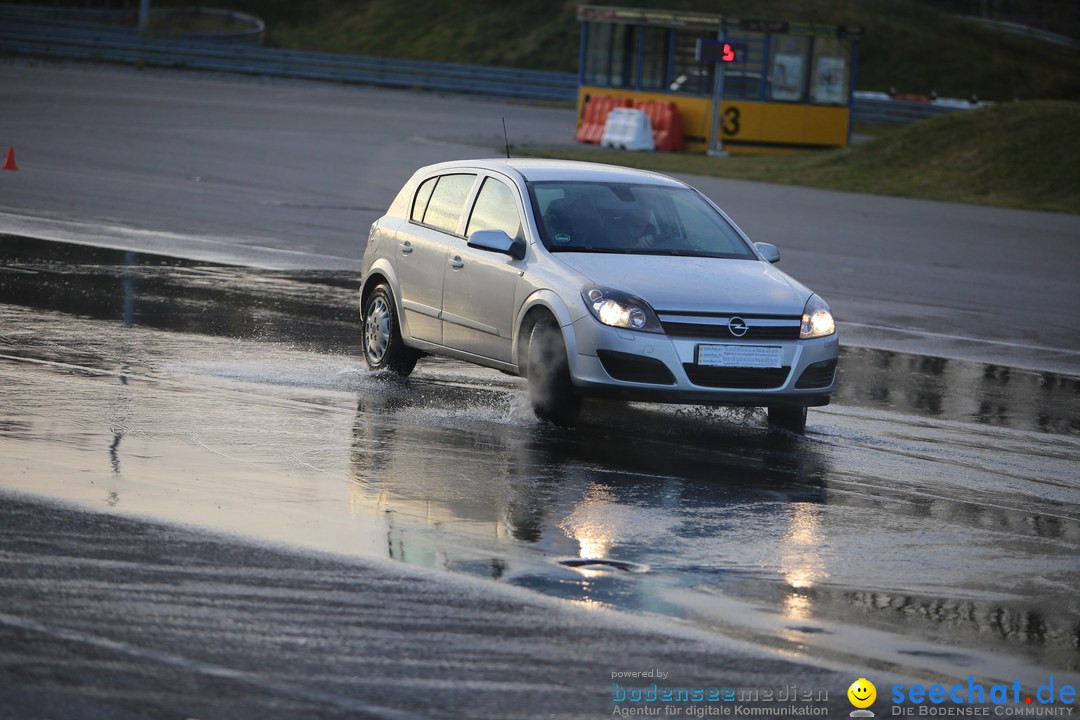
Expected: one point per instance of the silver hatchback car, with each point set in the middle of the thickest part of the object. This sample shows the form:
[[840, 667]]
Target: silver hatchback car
[[591, 280]]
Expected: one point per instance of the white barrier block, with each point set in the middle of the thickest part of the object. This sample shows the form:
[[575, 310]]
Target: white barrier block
[[628, 129]]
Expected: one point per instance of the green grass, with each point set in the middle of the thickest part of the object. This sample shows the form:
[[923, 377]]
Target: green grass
[[1021, 155], [526, 33], [907, 45]]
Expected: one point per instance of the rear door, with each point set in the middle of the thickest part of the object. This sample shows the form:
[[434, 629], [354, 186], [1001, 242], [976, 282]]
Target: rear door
[[423, 245]]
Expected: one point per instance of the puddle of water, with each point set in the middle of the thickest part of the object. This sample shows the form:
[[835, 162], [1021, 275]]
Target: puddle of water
[[959, 390], [831, 528], [308, 309]]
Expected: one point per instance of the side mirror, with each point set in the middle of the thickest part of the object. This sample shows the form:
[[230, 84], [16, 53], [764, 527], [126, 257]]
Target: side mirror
[[768, 251], [498, 241]]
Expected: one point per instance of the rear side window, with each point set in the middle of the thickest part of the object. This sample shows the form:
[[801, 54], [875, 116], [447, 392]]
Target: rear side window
[[421, 200], [447, 201], [496, 208]]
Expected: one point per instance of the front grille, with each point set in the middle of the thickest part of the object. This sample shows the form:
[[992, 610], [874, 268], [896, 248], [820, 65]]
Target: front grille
[[635, 368], [721, 332], [818, 375], [741, 378]]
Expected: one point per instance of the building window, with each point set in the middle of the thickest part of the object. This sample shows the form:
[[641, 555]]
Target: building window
[[687, 74], [610, 54], [829, 72], [654, 60], [787, 67], [743, 78]]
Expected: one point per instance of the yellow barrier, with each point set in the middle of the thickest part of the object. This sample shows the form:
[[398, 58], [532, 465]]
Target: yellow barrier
[[747, 127]]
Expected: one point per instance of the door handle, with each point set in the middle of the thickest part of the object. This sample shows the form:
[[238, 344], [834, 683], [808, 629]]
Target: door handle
[[457, 263], [406, 247]]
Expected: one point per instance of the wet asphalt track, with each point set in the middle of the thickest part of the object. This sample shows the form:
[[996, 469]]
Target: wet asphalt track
[[103, 618], [927, 526]]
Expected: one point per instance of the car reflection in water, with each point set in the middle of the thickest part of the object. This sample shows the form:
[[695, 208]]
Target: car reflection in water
[[606, 513], [702, 514]]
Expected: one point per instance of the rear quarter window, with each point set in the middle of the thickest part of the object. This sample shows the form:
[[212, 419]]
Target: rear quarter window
[[420, 202]]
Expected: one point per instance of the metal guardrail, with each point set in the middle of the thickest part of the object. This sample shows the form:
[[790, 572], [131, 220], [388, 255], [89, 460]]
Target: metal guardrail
[[40, 37], [31, 37], [1045, 36], [873, 111]]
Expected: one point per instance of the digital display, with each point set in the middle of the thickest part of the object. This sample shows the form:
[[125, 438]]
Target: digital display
[[716, 51]]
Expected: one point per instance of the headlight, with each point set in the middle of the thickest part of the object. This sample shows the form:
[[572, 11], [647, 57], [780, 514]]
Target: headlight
[[619, 309], [817, 319]]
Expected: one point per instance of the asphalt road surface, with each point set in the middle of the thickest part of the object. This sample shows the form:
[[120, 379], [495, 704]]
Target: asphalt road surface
[[925, 529], [105, 618], [288, 174]]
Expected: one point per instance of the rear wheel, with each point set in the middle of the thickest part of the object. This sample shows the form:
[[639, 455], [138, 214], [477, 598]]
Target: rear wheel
[[550, 389], [383, 346], [788, 418]]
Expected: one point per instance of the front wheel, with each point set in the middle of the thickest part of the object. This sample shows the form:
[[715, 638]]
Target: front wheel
[[383, 346], [788, 418], [550, 389]]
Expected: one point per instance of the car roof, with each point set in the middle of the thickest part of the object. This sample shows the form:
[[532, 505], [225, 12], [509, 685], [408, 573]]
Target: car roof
[[540, 170]]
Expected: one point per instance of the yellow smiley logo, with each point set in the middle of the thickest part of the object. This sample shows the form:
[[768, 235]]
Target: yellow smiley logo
[[862, 693]]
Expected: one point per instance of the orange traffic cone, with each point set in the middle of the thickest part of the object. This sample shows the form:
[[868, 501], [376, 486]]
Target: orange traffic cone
[[9, 164]]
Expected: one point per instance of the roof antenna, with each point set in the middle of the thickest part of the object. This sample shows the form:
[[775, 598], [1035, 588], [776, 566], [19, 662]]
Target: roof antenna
[[506, 139]]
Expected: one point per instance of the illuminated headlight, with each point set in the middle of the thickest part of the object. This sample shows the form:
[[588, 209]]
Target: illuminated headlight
[[619, 309], [817, 319]]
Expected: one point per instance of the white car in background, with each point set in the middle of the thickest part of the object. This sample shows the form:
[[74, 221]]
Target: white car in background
[[591, 280]]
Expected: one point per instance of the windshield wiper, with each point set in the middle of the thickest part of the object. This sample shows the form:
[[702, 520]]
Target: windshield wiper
[[659, 251], [617, 251], [670, 252]]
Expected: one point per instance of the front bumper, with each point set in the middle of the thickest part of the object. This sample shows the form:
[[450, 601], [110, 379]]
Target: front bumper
[[611, 362]]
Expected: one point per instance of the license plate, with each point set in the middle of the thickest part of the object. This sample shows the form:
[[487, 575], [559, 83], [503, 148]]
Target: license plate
[[740, 356]]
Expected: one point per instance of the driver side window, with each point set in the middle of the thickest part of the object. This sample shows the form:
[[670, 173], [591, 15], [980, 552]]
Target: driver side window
[[496, 208]]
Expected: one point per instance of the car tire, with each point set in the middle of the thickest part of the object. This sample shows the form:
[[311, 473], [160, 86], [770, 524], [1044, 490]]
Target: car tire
[[383, 347], [550, 388], [788, 418]]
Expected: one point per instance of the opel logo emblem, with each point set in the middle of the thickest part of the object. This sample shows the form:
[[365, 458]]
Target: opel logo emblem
[[738, 326]]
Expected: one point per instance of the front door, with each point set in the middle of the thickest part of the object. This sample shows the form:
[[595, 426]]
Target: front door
[[422, 247], [479, 285]]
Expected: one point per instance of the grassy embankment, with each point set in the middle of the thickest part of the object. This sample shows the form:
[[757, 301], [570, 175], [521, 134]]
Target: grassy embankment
[[1022, 155]]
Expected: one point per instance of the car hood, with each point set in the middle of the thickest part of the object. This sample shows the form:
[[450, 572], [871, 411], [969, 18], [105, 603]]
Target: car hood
[[693, 283]]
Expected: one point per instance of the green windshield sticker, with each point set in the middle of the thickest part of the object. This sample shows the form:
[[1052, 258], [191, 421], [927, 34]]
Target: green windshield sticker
[[562, 238]]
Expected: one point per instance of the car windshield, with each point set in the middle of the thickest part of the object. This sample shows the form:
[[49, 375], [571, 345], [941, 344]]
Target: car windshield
[[632, 218]]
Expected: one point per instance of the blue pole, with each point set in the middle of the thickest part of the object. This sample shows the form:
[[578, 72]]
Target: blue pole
[[640, 57], [583, 53], [669, 69], [851, 86], [144, 17]]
